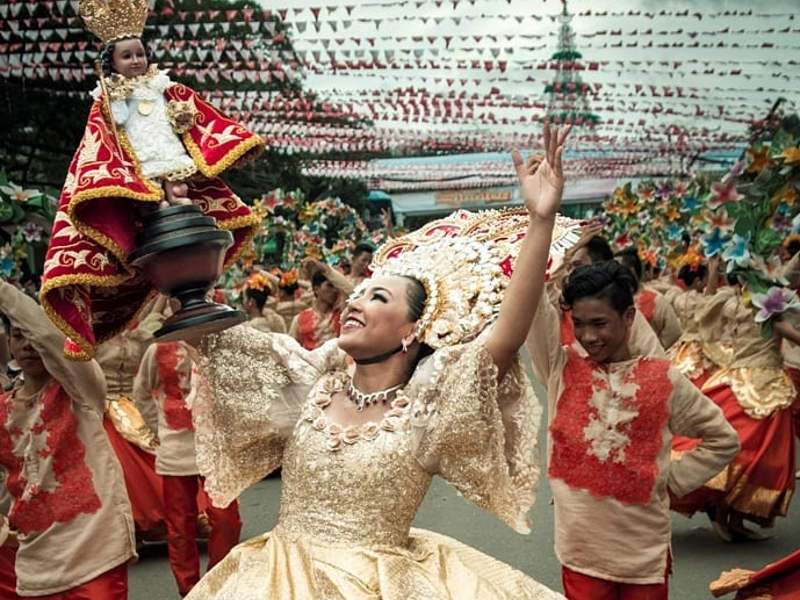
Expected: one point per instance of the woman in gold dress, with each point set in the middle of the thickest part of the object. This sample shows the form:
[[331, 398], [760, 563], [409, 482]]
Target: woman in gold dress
[[433, 391]]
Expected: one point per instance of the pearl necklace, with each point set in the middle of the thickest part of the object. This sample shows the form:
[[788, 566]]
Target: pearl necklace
[[362, 400]]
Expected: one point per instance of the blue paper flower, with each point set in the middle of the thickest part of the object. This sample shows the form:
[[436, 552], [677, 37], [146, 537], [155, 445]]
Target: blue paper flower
[[674, 231], [7, 265], [714, 242], [737, 254], [690, 204]]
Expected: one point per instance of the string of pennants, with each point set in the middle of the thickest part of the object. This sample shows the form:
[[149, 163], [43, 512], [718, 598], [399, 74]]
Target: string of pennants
[[405, 76]]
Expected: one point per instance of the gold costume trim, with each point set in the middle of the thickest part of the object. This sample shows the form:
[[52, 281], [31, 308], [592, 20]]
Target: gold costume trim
[[157, 195], [79, 279], [231, 157], [760, 391], [749, 498], [250, 220], [120, 87]]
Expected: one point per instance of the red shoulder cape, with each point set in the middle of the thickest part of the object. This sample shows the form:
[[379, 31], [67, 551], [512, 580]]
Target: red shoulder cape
[[89, 290]]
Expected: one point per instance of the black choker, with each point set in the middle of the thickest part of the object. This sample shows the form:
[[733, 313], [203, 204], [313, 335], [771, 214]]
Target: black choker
[[377, 359]]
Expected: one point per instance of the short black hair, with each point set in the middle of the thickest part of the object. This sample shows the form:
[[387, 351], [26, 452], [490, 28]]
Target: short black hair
[[6, 322], [317, 279], [688, 274], [257, 296], [363, 247], [605, 280], [793, 247], [107, 54], [629, 257], [598, 249]]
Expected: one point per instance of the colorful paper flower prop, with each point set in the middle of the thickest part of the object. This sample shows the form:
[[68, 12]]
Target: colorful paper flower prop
[[791, 155], [258, 281], [7, 261], [775, 301], [288, 278], [16, 192], [772, 268], [737, 254], [759, 159], [722, 193], [714, 242], [691, 204]]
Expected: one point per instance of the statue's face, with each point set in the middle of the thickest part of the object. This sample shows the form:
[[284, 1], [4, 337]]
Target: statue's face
[[129, 57]]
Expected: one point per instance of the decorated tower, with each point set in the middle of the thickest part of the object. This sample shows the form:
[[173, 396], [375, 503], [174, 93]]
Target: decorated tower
[[568, 94]]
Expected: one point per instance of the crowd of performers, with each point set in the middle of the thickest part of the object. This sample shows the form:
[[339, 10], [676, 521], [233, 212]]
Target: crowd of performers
[[662, 394]]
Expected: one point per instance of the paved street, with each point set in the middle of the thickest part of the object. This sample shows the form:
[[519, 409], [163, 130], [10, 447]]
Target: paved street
[[699, 555]]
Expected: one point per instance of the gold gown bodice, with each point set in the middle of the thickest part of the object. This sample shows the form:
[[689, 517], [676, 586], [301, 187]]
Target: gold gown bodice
[[349, 494], [358, 485]]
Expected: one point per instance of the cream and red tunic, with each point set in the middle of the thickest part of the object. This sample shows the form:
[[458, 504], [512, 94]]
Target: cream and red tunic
[[70, 507], [313, 328], [611, 429], [160, 390], [658, 312]]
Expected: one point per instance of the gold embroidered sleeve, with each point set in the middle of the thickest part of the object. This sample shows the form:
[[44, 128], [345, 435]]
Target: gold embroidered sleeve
[[247, 392], [478, 435]]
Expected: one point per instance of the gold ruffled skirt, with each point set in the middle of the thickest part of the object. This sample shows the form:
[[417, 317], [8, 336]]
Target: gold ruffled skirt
[[432, 566]]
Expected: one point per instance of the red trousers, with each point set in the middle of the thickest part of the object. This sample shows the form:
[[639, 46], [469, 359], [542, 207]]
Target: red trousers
[[111, 585], [8, 577], [578, 586], [180, 500]]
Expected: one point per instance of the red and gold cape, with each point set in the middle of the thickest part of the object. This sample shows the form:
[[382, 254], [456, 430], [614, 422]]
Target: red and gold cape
[[89, 289]]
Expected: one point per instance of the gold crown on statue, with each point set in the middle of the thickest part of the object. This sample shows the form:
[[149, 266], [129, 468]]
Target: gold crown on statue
[[464, 262], [112, 20]]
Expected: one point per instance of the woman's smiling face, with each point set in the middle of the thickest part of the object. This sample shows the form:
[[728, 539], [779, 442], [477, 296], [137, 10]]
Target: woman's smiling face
[[376, 319]]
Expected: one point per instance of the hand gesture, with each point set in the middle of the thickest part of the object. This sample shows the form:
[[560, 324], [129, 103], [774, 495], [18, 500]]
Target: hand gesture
[[541, 182], [386, 216], [588, 231], [311, 265]]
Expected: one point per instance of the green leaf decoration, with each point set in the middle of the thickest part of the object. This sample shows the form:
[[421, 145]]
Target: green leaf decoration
[[766, 241]]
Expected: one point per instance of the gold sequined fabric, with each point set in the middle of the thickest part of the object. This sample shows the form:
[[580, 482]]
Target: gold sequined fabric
[[127, 420], [351, 493], [689, 359], [759, 391]]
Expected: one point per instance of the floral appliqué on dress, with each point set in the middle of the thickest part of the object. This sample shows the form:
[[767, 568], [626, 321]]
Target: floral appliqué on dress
[[34, 508], [607, 429], [339, 435]]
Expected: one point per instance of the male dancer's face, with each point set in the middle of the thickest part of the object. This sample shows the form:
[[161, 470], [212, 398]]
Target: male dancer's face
[[25, 354], [601, 330]]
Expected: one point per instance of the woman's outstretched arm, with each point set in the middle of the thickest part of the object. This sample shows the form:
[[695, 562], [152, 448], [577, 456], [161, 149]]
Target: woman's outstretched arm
[[541, 185]]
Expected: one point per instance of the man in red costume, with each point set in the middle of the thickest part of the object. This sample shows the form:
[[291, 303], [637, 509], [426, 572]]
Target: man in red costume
[[69, 510]]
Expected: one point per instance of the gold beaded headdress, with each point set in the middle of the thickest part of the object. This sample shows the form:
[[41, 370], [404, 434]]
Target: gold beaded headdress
[[114, 19], [464, 262]]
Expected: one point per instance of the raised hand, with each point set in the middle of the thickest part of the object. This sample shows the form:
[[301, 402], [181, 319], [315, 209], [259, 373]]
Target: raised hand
[[541, 182]]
